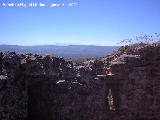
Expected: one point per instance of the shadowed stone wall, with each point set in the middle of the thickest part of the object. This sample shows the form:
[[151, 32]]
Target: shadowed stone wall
[[34, 87]]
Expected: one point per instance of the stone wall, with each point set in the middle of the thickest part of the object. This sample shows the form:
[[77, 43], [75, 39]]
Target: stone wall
[[139, 85], [13, 89], [34, 87]]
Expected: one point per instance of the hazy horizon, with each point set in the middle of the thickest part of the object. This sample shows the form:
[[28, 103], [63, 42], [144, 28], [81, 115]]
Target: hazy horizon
[[61, 45]]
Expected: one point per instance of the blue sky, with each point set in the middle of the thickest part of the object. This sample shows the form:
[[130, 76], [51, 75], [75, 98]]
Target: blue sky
[[95, 22]]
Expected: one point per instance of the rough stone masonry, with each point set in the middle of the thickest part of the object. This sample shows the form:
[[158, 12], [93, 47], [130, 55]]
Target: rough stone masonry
[[118, 87]]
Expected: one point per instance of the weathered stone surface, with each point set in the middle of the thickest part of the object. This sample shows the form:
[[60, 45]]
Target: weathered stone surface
[[120, 87], [139, 86], [13, 89]]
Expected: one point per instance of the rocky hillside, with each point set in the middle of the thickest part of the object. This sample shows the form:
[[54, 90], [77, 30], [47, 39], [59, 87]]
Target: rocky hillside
[[123, 86]]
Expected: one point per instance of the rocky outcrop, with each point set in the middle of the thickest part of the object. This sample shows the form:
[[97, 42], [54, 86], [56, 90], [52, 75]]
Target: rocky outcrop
[[123, 86]]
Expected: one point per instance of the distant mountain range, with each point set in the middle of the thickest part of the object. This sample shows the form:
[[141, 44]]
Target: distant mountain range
[[70, 51]]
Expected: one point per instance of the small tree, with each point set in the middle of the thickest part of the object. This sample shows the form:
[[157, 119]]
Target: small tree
[[141, 40], [131, 46]]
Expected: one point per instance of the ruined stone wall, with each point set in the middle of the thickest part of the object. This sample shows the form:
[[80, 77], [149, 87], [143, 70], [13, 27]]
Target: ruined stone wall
[[34, 87], [13, 89], [139, 85]]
